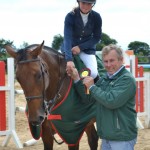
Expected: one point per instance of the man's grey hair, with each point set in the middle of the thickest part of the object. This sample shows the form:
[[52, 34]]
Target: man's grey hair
[[111, 47]]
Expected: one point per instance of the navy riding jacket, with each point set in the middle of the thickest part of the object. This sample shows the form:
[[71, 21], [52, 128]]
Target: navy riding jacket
[[76, 34]]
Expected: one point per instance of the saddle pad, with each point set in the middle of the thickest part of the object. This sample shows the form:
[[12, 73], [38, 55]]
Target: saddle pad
[[70, 118], [73, 117]]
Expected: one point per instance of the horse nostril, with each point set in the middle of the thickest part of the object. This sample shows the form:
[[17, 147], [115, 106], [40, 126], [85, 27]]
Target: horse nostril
[[35, 123], [38, 121]]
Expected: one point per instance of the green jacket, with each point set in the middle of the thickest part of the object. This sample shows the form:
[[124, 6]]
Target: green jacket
[[115, 100]]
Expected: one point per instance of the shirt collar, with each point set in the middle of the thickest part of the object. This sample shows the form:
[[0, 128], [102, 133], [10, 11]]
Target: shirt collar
[[111, 76]]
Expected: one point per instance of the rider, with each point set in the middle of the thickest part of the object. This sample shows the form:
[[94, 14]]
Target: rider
[[82, 31]]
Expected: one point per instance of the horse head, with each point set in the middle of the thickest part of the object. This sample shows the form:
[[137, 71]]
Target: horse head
[[32, 74]]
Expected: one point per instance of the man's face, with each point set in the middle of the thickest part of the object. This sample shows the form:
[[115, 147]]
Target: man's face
[[111, 62]]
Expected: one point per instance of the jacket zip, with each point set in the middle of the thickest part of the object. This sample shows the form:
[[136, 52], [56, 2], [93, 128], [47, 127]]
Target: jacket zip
[[118, 125]]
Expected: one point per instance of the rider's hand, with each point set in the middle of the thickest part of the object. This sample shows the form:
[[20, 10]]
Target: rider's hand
[[75, 50], [74, 74], [69, 67]]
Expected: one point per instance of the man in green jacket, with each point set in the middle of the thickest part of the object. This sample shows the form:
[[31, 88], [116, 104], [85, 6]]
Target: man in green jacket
[[114, 94]]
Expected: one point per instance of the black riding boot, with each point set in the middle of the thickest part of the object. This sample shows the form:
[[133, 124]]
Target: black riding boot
[[96, 79]]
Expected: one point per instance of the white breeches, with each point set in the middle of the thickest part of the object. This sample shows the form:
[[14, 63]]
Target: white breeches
[[90, 62]]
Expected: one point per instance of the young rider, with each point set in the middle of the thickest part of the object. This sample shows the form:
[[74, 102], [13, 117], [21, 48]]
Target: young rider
[[82, 31]]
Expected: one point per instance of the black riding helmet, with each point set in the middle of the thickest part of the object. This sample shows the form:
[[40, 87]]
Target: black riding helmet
[[87, 1]]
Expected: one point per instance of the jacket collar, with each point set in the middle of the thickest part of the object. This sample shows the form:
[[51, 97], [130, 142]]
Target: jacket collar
[[117, 74], [78, 12]]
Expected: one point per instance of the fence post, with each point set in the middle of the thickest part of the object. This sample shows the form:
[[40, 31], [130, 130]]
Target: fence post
[[11, 132], [134, 71], [141, 86], [2, 98]]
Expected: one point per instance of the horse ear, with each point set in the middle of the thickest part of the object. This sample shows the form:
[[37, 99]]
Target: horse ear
[[37, 50], [10, 51]]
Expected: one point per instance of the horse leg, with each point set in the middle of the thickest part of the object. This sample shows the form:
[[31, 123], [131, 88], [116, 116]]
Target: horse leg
[[73, 147], [92, 137], [47, 136]]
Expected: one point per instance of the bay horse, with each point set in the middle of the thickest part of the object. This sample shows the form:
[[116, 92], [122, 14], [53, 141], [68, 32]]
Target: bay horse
[[41, 72]]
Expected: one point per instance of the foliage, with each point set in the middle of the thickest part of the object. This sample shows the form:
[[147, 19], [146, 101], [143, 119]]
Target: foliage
[[146, 69], [3, 54], [139, 48], [25, 44], [105, 40], [143, 59], [57, 41]]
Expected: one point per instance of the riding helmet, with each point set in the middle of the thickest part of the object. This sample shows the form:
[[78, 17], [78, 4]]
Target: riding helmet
[[87, 1]]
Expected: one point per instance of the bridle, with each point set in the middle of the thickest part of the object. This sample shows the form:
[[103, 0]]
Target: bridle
[[29, 98], [52, 102], [42, 96]]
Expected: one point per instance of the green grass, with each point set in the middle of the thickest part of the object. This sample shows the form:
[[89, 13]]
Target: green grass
[[147, 69]]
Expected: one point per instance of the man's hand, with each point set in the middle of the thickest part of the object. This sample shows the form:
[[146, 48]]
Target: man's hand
[[71, 70], [88, 81], [75, 50]]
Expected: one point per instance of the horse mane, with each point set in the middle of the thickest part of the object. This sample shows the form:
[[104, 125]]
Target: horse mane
[[22, 52], [45, 48]]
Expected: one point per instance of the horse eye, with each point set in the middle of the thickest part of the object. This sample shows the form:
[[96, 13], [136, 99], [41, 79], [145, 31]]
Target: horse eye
[[39, 75]]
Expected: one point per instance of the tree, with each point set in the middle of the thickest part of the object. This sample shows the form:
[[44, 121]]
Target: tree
[[139, 48], [57, 41], [105, 40], [3, 54], [25, 44]]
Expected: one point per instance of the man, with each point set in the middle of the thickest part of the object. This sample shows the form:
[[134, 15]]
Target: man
[[114, 94]]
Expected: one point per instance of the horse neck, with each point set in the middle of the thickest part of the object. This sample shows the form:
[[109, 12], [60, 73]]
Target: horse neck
[[57, 72]]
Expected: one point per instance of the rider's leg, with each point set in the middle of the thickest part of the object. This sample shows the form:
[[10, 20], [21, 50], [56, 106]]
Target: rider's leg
[[90, 62]]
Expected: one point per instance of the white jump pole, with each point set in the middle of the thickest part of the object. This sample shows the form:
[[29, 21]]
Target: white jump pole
[[30, 142], [11, 132], [147, 121], [18, 108]]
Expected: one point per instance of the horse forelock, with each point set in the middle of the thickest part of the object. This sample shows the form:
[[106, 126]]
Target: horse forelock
[[22, 55]]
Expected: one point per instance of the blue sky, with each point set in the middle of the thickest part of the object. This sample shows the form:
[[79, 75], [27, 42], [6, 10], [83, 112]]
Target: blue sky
[[33, 21]]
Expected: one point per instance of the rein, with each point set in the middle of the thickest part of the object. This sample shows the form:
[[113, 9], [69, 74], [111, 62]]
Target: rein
[[54, 101]]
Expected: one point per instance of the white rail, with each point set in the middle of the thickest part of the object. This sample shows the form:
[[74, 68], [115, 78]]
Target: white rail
[[11, 132]]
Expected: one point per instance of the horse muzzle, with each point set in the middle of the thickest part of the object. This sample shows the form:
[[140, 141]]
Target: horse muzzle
[[36, 121]]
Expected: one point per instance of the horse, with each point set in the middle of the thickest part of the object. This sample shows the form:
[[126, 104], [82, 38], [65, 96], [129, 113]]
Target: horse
[[41, 72]]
